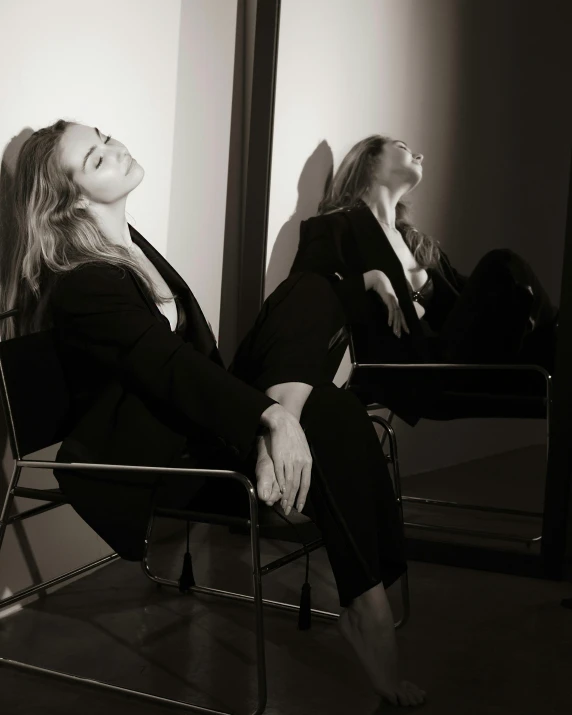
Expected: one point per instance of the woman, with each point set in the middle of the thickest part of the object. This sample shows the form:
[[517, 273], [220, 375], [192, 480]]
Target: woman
[[401, 295], [148, 387]]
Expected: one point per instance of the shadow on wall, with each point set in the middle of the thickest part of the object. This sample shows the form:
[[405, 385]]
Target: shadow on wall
[[7, 217], [315, 176], [7, 238]]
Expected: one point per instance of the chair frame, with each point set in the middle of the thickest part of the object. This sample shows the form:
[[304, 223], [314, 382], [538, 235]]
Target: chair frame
[[53, 498], [355, 365]]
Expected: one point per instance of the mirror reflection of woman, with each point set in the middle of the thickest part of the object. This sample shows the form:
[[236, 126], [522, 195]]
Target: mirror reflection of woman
[[147, 386], [401, 295]]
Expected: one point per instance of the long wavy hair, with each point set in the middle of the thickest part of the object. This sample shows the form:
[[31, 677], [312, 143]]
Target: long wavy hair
[[55, 234], [353, 180]]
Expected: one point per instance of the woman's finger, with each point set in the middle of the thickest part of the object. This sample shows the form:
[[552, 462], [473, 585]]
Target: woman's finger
[[304, 486], [289, 483], [390, 312], [279, 467], [396, 318], [295, 486], [403, 321]]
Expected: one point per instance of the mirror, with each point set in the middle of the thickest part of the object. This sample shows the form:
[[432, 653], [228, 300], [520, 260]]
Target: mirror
[[479, 90]]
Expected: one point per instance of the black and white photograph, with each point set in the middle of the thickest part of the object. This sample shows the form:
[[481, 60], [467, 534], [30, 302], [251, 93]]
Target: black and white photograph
[[285, 349]]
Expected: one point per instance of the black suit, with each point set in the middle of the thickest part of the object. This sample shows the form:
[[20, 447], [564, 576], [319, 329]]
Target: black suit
[[144, 395], [346, 244], [482, 318], [140, 393]]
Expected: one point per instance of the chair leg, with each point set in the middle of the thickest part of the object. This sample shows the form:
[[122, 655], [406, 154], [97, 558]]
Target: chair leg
[[8, 502], [389, 432], [262, 687], [385, 432], [259, 615]]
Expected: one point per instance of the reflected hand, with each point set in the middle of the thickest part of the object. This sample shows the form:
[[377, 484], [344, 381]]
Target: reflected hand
[[377, 281]]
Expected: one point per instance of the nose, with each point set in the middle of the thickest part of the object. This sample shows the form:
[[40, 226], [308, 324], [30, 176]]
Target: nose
[[419, 158]]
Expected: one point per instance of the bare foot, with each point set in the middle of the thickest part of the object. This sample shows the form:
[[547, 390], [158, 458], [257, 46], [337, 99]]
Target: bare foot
[[367, 624]]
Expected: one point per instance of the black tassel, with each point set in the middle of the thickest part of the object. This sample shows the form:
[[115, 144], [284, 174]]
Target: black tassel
[[305, 613], [187, 577]]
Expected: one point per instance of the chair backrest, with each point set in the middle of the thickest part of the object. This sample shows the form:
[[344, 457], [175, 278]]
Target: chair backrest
[[34, 393]]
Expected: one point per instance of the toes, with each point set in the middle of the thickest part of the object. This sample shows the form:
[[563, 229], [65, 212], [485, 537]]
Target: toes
[[416, 695], [404, 695]]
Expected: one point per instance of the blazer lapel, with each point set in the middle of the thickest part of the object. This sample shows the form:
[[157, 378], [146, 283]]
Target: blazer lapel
[[199, 329], [377, 253]]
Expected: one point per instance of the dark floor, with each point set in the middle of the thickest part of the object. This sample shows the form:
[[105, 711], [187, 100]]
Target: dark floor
[[479, 643]]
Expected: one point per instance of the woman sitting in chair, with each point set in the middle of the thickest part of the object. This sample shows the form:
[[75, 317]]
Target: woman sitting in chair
[[401, 295], [148, 387]]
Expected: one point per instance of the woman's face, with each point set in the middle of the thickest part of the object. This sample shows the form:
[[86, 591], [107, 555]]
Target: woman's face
[[399, 165], [101, 166]]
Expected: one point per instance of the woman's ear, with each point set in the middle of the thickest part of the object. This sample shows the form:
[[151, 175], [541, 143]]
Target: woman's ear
[[81, 203]]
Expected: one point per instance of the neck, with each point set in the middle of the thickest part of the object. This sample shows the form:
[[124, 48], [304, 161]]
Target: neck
[[382, 200], [112, 221]]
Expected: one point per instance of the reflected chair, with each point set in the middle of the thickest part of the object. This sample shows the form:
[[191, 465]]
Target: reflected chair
[[525, 393], [36, 405]]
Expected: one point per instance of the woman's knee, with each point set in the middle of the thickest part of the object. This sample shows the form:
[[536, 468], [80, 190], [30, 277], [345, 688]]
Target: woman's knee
[[500, 255], [504, 261]]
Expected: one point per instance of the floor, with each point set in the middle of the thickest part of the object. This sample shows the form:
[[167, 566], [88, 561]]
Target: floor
[[480, 643]]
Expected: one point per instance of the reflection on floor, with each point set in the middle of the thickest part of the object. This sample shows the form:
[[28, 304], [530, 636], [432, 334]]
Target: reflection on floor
[[480, 643], [511, 480]]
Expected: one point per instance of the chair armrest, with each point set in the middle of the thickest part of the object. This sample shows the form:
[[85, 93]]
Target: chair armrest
[[453, 366], [174, 471]]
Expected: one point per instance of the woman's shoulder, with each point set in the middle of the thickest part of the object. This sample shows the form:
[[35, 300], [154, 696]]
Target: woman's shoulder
[[94, 276], [331, 221]]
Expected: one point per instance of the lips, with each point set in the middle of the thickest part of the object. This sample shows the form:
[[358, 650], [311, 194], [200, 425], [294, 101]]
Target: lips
[[131, 162]]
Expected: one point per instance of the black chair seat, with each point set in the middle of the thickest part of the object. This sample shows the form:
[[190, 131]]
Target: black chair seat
[[456, 405], [451, 393]]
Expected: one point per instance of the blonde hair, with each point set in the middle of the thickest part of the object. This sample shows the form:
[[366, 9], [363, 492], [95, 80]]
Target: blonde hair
[[352, 181], [54, 234]]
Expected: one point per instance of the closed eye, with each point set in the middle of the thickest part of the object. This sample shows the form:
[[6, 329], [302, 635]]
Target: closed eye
[[101, 158]]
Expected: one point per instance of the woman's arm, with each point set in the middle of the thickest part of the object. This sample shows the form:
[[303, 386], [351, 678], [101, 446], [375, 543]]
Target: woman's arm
[[291, 395], [98, 311]]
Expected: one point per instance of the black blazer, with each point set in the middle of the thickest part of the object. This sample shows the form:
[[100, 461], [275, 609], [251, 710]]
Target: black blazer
[[346, 244], [140, 394]]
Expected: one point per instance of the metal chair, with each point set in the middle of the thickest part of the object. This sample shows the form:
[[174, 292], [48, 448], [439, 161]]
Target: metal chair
[[527, 393], [36, 405]]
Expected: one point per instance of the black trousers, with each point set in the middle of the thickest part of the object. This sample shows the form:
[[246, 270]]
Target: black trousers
[[490, 321], [351, 497]]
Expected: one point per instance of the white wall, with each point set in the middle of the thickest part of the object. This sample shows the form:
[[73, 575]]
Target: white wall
[[478, 88], [158, 76]]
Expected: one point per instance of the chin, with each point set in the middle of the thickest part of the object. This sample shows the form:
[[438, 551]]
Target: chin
[[136, 176], [416, 175]]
